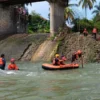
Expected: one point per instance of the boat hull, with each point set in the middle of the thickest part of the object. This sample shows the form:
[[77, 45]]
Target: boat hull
[[61, 67]]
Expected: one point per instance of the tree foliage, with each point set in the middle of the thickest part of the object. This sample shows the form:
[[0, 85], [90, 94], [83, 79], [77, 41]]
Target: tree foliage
[[38, 23], [96, 11], [80, 24], [87, 4], [69, 13]]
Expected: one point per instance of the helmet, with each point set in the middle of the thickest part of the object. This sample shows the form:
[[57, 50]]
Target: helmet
[[12, 60], [57, 55]]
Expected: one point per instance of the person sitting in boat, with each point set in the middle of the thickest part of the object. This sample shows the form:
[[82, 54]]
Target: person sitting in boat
[[56, 60], [12, 65], [76, 55], [63, 59]]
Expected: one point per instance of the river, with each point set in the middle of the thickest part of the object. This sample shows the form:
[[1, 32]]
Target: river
[[32, 82]]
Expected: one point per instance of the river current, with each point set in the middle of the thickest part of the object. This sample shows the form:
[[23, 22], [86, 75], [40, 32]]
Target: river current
[[32, 82]]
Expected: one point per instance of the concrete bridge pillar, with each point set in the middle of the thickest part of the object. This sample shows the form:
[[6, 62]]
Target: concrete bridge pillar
[[7, 20], [56, 17]]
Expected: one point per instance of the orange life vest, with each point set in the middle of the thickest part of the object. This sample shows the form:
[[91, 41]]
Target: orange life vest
[[85, 31], [12, 67], [1, 61], [94, 30]]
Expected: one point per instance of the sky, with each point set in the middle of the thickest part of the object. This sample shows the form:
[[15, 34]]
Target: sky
[[43, 9]]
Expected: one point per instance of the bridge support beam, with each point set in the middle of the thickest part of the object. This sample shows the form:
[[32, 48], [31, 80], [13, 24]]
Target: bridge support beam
[[56, 18]]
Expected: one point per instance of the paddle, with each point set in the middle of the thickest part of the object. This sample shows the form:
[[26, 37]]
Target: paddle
[[82, 61]]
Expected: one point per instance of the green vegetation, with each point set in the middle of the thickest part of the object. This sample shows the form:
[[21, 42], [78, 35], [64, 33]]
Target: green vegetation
[[87, 4], [69, 14], [38, 24], [97, 12], [80, 24]]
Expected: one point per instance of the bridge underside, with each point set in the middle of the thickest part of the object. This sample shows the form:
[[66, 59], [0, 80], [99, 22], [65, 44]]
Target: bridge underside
[[56, 12], [12, 2]]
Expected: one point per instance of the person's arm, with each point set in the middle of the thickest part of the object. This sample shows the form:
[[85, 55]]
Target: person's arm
[[4, 61], [77, 56], [9, 67], [53, 62], [16, 67]]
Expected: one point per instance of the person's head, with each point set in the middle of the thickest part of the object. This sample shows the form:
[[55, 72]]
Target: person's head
[[63, 58], [12, 60], [57, 55], [79, 51], [84, 29], [2, 55]]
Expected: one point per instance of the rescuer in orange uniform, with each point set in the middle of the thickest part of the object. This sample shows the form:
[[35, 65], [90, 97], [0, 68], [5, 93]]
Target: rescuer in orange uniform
[[2, 62], [56, 60], [63, 59], [94, 33], [12, 65], [76, 55], [59, 61], [85, 32]]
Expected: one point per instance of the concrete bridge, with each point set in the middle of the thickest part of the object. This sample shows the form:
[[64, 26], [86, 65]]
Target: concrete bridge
[[8, 24]]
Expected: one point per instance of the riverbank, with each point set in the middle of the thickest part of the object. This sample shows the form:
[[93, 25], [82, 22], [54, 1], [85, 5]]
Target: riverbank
[[23, 46]]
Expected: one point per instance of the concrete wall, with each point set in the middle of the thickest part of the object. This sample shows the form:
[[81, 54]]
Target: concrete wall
[[7, 20]]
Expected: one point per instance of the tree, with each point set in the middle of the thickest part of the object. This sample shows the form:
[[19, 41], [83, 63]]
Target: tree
[[84, 23], [97, 12], [69, 13], [87, 4], [38, 24]]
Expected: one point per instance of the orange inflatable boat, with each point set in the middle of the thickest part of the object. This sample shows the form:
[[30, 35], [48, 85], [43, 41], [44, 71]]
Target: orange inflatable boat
[[60, 67]]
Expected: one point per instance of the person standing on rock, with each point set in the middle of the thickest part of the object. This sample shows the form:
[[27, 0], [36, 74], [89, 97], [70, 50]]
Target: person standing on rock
[[2, 62], [85, 32], [94, 33]]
